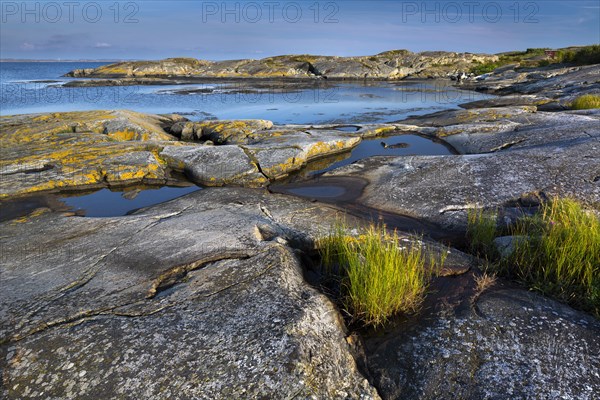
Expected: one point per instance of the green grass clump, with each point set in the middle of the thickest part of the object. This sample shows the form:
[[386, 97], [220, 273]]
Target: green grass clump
[[481, 232], [485, 68], [378, 277], [557, 252], [586, 102], [561, 256]]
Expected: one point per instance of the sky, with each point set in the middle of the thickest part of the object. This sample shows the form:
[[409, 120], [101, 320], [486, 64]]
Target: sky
[[217, 30]]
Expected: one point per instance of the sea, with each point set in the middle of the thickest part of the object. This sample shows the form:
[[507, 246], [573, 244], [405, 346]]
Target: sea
[[35, 87]]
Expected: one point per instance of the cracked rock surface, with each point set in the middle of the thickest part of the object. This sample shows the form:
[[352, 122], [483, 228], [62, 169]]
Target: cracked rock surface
[[395, 64], [182, 300], [204, 296], [503, 343]]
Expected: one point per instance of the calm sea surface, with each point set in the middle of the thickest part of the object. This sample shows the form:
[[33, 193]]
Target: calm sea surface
[[32, 88]]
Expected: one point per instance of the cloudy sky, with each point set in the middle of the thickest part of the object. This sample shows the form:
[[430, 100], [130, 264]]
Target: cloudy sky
[[68, 29]]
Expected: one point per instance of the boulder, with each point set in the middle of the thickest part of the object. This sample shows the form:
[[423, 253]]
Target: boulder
[[230, 132], [214, 165]]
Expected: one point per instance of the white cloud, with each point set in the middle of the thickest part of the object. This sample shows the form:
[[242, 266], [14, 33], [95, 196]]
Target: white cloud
[[102, 45], [27, 46]]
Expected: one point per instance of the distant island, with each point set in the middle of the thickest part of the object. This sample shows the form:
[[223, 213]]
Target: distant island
[[393, 64], [112, 60]]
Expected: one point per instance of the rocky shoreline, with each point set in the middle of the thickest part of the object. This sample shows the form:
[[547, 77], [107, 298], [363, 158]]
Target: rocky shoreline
[[394, 64], [206, 296]]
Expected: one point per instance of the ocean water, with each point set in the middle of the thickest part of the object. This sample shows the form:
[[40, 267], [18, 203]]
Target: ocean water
[[27, 87]]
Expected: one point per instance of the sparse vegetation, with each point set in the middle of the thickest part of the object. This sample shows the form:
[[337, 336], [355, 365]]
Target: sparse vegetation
[[483, 282], [379, 276], [531, 57], [586, 102], [579, 56], [394, 53], [558, 252], [588, 55], [481, 232], [484, 68]]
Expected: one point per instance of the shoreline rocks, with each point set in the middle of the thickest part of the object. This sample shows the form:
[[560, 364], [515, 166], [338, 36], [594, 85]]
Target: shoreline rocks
[[95, 149], [184, 299]]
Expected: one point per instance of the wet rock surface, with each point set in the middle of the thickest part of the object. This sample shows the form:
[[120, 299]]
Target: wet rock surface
[[441, 189], [507, 152]]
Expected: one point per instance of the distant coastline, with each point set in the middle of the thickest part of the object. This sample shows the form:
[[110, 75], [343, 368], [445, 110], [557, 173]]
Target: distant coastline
[[9, 60]]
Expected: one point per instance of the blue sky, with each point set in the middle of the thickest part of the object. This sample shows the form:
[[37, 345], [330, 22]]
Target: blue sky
[[66, 29]]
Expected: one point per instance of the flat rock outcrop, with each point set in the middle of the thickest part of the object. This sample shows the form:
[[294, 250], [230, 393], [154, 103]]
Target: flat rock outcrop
[[185, 300], [205, 296], [94, 149], [501, 343], [530, 153], [552, 87]]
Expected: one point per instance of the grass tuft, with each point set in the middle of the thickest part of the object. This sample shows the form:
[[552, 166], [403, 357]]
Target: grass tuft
[[586, 102], [481, 232], [379, 276], [482, 283], [561, 256], [557, 254]]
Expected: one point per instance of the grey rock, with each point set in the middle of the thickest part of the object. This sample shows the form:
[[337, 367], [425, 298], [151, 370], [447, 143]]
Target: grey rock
[[94, 149], [180, 300], [442, 188], [519, 131], [505, 343], [506, 245], [214, 165], [81, 150], [395, 64], [506, 101], [278, 156], [561, 84], [455, 117]]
